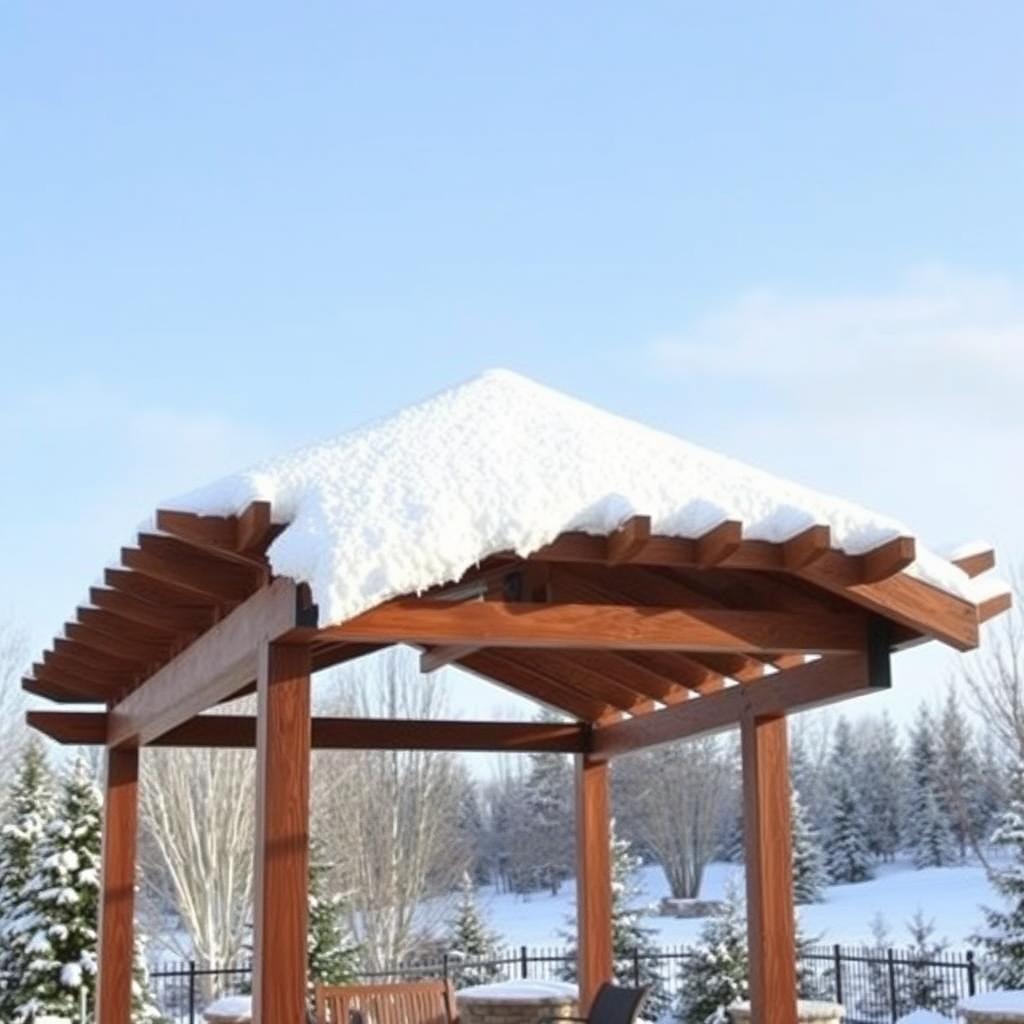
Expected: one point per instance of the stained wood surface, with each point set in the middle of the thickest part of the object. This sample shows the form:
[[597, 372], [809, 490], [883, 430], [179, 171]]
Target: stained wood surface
[[768, 861], [282, 834], [593, 878], [117, 894]]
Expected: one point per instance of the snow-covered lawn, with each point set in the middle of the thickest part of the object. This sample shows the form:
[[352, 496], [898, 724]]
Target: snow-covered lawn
[[949, 895]]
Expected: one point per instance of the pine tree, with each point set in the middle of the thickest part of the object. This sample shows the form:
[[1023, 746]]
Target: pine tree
[[718, 973], [921, 986], [876, 1004], [634, 949], [882, 782], [931, 838], [28, 808], [1003, 937], [848, 858], [809, 874], [547, 802], [333, 954], [957, 776], [471, 942]]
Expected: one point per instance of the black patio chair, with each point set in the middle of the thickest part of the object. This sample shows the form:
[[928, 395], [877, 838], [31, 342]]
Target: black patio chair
[[613, 1004]]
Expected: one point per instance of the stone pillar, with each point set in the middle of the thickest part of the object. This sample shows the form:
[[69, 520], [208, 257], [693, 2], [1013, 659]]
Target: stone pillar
[[994, 1008]]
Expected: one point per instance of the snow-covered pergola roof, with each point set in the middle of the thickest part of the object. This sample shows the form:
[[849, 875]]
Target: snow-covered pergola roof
[[646, 587]]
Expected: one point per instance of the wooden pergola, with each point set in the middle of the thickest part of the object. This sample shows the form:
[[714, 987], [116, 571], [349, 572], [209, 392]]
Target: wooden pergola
[[640, 639]]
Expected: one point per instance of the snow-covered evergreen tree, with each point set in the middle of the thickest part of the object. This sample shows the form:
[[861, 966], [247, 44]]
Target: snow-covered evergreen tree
[[548, 792], [931, 840], [28, 808], [809, 874], [876, 1002], [61, 908], [848, 857], [921, 986], [634, 949], [718, 973], [957, 773], [471, 943], [1003, 935], [882, 783], [333, 953]]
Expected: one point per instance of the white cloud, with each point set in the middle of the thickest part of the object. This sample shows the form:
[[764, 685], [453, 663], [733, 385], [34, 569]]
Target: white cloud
[[939, 335]]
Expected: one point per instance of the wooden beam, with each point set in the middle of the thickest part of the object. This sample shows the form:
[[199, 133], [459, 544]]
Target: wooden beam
[[977, 560], [115, 625], [70, 657], [439, 657], [89, 728], [584, 678], [159, 592], [223, 583], [56, 692], [990, 607], [810, 685], [718, 544], [117, 895], [806, 547], [593, 879], [888, 559], [628, 540], [255, 528], [612, 627], [124, 647], [282, 834], [72, 681], [216, 666], [769, 870]]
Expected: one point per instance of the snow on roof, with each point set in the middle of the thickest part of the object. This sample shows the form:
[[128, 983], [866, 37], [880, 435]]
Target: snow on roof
[[502, 463]]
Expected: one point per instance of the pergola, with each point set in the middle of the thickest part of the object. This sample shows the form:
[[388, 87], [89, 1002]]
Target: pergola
[[639, 637]]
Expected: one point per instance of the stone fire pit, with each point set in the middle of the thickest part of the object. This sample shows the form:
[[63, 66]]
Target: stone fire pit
[[516, 1002], [808, 1011]]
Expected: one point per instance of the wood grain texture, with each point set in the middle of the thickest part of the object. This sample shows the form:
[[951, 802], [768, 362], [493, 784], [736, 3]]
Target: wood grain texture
[[769, 869], [282, 834], [216, 666], [598, 626], [593, 878], [977, 563], [117, 896]]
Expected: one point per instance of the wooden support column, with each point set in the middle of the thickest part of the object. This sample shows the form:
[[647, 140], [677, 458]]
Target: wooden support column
[[769, 869], [117, 898], [282, 834], [593, 878]]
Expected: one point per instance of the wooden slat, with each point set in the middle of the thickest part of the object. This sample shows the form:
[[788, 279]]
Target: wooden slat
[[995, 605], [811, 685], [593, 879], [89, 728], [628, 540], [584, 679], [280, 918], [769, 870], [806, 547], [159, 592], [568, 626], [222, 580], [888, 559], [60, 694], [976, 562], [75, 682], [208, 531], [124, 647], [439, 657], [640, 678], [115, 625], [117, 894], [718, 544], [255, 527], [169, 615], [220, 663]]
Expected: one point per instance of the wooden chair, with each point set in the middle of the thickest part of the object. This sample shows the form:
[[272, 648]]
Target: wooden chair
[[413, 1002], [612, 1005]]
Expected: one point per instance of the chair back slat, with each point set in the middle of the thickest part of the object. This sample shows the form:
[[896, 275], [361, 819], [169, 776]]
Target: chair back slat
[[413, 1002], [616, 1005]]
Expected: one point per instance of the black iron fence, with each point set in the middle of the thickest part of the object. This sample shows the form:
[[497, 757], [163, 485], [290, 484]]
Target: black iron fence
[[876, 986]]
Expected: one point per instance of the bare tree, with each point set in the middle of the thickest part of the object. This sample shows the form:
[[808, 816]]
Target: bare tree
[[391, 818], [13, 655], [198, 813], [681, 791], [995, 676]]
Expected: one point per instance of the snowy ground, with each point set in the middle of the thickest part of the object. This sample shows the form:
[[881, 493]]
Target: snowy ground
[[949, 895]]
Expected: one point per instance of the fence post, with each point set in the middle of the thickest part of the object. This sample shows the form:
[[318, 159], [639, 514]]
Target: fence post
[[191, 992], [524, 963], [837, 959], [444, 966], [892, 985], [971, 968], [636, 967]]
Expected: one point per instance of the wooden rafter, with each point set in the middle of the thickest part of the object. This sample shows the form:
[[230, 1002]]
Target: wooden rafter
[[977, 562]]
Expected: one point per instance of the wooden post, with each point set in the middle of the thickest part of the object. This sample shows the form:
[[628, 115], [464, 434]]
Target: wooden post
[[769, 869], [117, 898], [282, 834], [593, 878]]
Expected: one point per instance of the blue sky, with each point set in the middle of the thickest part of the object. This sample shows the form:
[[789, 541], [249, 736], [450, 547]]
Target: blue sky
[[791, 232]]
